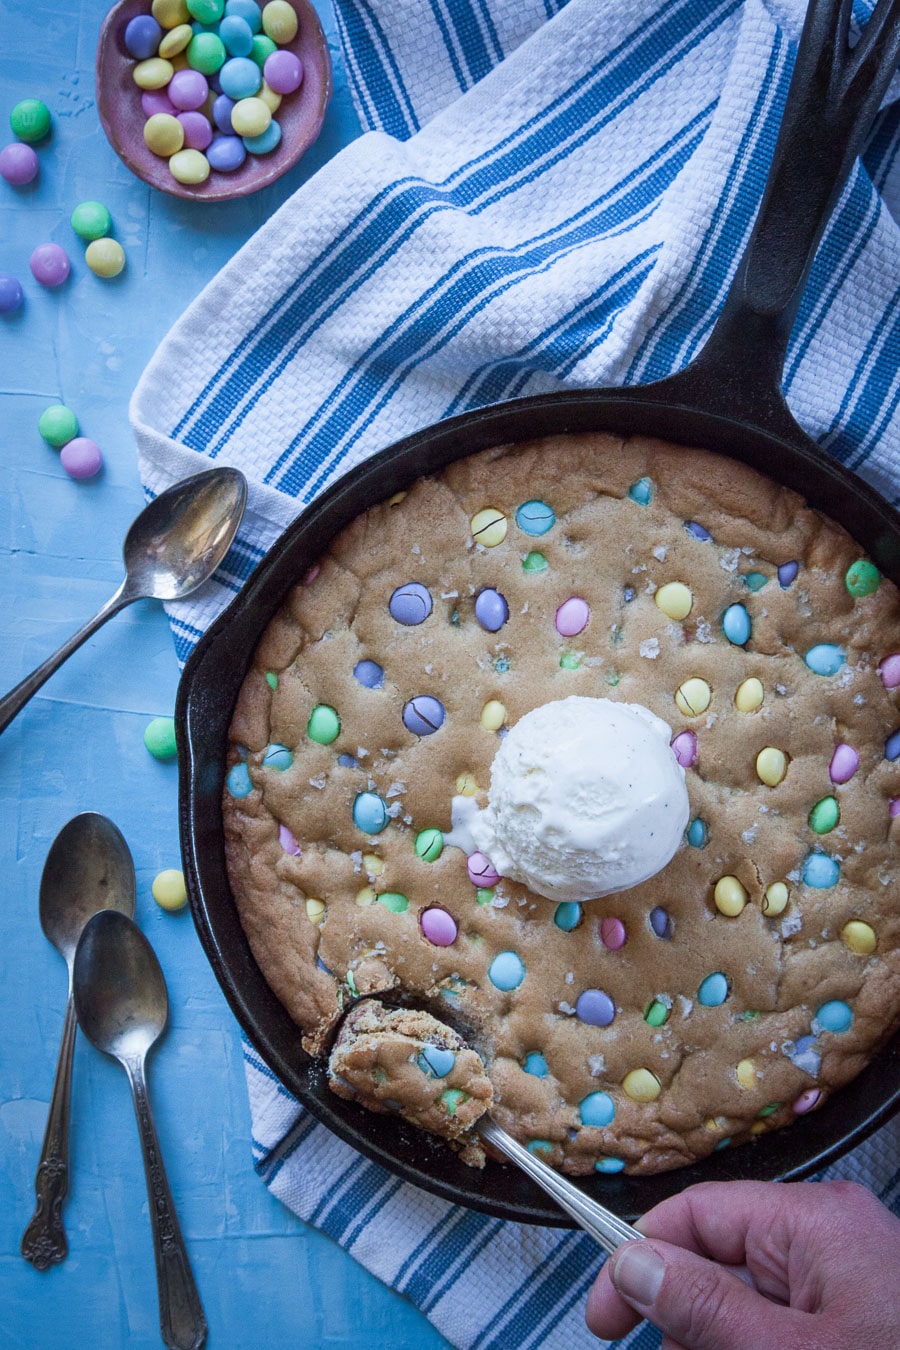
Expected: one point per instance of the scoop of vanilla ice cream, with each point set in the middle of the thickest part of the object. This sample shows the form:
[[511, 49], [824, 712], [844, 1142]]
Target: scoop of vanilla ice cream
[[586, 798]]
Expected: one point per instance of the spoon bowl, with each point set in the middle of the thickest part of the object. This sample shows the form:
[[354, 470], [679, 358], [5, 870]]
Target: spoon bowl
[[174, 545], [88, 868], [122, 1005]]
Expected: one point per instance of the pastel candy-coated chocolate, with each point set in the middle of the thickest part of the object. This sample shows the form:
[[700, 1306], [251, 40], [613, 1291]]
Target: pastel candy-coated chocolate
[[771, 765], [534, 562], [18, 164], [370, 813], [279, 21], [410, 604], [429, 844], [889, 670], [283, 71], [206, 53], [859, 937], [698, 833], [488, 527], [892, 746], [820, 871], [250, 117], [30, 120], [807, 1101], [438, 926], [697, 530], [597, 1109], [567, 915], [159, 737], [835, 1016], [506, 971], [81, 458], [142, 36], [641, 491], [188, 90], [91, 220], [613, 934], [105, 257], [287, 841], [693, 697], [170, 13], [535, 517], [863, 578], [11, 293], [572, 616], [661, 922], [675, 600], [50, 265], [198, 132], [57, 425], [265, 142], [491, 609], [221, 111], [236, 35], [423, 715], [169, 889], [175, 41], [239, 784], [536, 1064], [609, 1165], [226, 153], [369, 674], [595, 1008], [755, 581], [730, 896], [324, 725], [240, 77], [713, 991], [825, 658], [154, 73], [206, 11], [825, 815], [163, 134], [685, 748], [436, 1061], [277, 757], [736, 625], [189, 166], [641, 1085], [248, 10], [787, 574], [156, 101], [481, 870]]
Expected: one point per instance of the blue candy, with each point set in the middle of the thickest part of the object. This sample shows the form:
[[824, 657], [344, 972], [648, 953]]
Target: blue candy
[[736, 625], [568, 915], [535, 517], [369, 674], [536, 1064], [435, 1061], [248, 10], [370, 813], [506, 971], [423, 715], [277, 757], [542, 1148], [491, 609], [892, 746], [226, 153], [642, 491], [713, 991], [597, 1108], [410, 604], [239, 784], [609, 1165], [240, 77], [265, 142], [824, 659], [661, 923], [787, 574], [698, 833], [697, 530], [821, 871], [236, 35], [835, 1016], [142, 37]]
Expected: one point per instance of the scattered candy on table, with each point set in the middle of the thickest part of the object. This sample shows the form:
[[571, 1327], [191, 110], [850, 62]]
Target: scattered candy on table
[[159, 738], [50, 265], [57, 425], [169, 889], [18, 164], [30, 120], [91, 220], [11, 293], [105, 257], [81, 457]]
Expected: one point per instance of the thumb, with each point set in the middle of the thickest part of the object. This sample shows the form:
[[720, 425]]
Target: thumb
[[701, 1305]]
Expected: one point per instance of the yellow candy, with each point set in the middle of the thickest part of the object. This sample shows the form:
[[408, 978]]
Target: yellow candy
[[771, 766], [758, 1127], [398, 496], [466, 785], [746, 1074], [273, 103], [715, 1123], [279, 21], [730, 896], [105, 257], [641, 1085], [692, 697], [169, 890], [674, 599], [373, 864], [175, 41], [250, 117], [775, 899], [315, 911], [170, 13], [488, 527], [163, 134], [154, 73], [749, 695], [493, 715], [366, 897], [859, 937], [189, 166]]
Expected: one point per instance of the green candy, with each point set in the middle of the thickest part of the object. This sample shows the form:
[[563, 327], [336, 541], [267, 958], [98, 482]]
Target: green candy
[[484, 895], [429, 845], [453, 1098], [656, 1013], [206, 11], [569, 661], [262, 49], [91, 220], [271, 679], [769, 1110], [30, 120], [58, 425], [535, 562], [863, 578], [206, 53], [755, 581], [324, 725], [824, 815], [394, 901], [159, 738]]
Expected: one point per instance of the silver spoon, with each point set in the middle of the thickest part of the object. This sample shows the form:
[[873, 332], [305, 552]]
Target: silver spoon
[[88, 868], [173, 546], [122, 1006]]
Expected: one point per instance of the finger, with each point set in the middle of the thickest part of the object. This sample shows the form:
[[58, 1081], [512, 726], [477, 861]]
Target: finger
[[714, 1218], [607, 1314], [699, 1304]]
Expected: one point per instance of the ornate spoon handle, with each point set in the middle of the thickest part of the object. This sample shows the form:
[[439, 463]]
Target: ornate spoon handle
[[181, 1317], [44, 1240]]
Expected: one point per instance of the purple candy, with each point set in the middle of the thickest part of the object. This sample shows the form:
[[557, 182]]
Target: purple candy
[[283, 71], [685, 748], [481, 870], [423, 715], [188, 90], [155, 101], [197, 131], [572, 616], [697, 530], [221, 111], [892, 746], [369, 674], [50, 264], [612, 934], [226, 153], [410, 604], [18, 163], [142, 37], [595, 1008], [787, 573], [438, 926], [661, 923], [287, 841], [11, 295], [889, 670], [491, 609], [844, 763], [81, 458]]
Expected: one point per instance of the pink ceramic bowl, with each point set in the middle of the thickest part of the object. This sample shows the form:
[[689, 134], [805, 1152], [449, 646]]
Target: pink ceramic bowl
[[123, 118]]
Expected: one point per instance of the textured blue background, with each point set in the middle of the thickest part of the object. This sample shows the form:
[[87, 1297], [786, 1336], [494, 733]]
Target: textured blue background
[[264, 1277]]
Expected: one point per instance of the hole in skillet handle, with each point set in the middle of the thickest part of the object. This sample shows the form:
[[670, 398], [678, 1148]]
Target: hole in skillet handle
[[729, 400]]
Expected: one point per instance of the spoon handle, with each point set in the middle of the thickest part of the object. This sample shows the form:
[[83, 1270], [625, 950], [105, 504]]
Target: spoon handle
[[605, 1227], [181, 1318], [13, 702], [44, 1240]]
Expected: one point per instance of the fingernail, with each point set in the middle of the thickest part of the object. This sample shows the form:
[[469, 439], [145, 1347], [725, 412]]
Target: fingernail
[[637, 1272]]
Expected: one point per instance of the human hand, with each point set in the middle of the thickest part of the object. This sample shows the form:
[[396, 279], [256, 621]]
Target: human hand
[[824, 1258]]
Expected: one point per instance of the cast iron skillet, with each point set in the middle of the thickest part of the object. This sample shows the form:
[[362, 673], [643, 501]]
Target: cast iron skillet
[[729, 400]]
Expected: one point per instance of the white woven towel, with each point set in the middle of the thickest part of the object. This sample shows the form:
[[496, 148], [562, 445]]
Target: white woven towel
[[549, 195]]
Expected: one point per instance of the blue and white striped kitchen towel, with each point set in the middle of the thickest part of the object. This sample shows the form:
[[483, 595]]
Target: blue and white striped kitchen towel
[[549, 194]]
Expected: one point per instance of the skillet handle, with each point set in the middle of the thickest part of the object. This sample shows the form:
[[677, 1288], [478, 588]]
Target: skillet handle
[[834, 96]]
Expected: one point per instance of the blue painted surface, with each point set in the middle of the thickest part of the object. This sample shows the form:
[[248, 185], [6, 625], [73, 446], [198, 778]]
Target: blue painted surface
[[265, 1278]]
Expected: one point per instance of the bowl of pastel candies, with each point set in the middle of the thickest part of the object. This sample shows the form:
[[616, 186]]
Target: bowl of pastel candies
[[212, 99]]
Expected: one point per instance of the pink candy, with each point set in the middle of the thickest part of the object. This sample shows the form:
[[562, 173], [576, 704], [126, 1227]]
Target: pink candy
[[572, 616], [807, 1101], [438, 926], [287, 841], [889, 670], [612, 934], [685, 747], [844, 763], [481, 870]]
